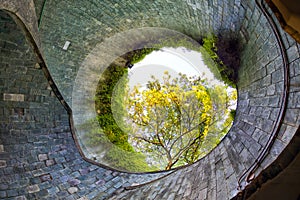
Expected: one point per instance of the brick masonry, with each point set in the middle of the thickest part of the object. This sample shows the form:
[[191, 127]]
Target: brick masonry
[[38, 156]]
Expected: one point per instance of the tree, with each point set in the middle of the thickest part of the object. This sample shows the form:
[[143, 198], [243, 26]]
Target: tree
[[171, 118]]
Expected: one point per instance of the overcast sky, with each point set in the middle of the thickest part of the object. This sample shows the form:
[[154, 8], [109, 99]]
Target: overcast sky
[[172, 60]]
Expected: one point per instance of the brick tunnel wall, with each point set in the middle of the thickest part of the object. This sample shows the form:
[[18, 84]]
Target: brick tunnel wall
[[38, 156], [89, 23], [39, 159]]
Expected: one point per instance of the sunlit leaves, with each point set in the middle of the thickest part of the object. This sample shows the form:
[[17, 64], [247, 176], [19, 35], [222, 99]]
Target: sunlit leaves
[[172, 118]]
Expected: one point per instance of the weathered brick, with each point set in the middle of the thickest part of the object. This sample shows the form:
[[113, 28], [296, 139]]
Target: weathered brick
[[3, 194], [46, 177], [21, 198], [50, 162], [3, 163], [72, 190], [33, 188]]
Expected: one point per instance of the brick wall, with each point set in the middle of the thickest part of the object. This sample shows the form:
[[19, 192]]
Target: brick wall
[[38, 157]]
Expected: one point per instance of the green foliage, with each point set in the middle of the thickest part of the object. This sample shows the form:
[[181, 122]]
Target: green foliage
[[209, 53], [210, 46], [197, 134], [95, 135], [103, 107], [212, 60], [121, 154], [173, 118], [138, 55], [224, 113], [232, 113], [128, 161]]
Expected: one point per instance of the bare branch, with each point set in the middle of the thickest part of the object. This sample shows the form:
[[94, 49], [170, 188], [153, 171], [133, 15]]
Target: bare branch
[[187, 147], [147, 140], [186, 133]]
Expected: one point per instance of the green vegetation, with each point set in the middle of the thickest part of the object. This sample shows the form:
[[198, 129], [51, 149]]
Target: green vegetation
[[171, 120], [127, 161], [138, 55], [103, 107], [175, 122], [214, 63], [209, 53], [178, 41], [119, 152]]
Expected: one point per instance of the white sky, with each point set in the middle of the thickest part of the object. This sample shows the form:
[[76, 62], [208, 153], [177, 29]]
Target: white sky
[[172, 60]]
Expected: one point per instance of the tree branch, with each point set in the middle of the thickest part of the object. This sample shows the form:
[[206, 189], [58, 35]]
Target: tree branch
[[186, 133], [186, 147], [147, 140]]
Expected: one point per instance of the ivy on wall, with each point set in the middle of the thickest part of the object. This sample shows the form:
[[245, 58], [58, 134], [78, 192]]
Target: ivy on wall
[[219, 62], [121, 154]]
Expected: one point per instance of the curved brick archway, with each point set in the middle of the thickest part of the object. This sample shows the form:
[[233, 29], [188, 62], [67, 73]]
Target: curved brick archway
[[38, 156]]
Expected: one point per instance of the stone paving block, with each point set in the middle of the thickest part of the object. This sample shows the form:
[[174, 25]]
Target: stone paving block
[[63, 186], [72, 190], [74, 182], [21, 198], [3, 194], [50, 162], [33, 188], [42, 194], [83, 198], [92, 194], [62, 194], [53, 190], [3, 164], [46, 177], [293, 53], [84, 171], [46, 185], [71, 197]]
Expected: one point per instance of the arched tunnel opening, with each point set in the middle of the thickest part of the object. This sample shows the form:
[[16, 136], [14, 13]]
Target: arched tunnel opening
[[41, 154]]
